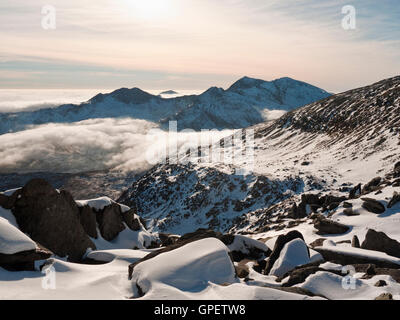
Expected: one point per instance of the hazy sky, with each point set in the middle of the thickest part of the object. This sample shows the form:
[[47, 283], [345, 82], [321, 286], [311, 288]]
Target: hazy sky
[[195, 44]]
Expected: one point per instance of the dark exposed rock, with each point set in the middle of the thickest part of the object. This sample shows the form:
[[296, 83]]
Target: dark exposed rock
[[203, 234], [350, 213], [372, 185], [326, 226], [51, 218], [373, 205], [131, 220], [396, 170], [109, 221], [385, 296], [348, 258], [371, 271], [379, 241], [355, 192], [331, 202], [395, 199], [88, 221], [24, 261], [7, 202], [355, 242], [381, 283], [317, 243], [298, 212], [347, 205], [279, 244], [396, 183], [300, 274], [259, 266], [311, 199], [167, 239]]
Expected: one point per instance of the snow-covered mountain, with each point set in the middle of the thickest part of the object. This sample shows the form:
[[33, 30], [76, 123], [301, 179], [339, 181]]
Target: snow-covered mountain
[[245, 103], [333, 144], [317, 218]]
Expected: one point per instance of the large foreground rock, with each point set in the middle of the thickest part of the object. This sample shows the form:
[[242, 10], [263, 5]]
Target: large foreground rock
[[51, 218], [189, 268], [295, 253], [279, 244], [379, 241]]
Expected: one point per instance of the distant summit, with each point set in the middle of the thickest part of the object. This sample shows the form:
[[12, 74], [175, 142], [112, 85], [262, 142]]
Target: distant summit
[[169, 92]]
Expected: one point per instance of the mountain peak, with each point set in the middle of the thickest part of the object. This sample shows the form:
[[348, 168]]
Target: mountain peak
[[125, 95]]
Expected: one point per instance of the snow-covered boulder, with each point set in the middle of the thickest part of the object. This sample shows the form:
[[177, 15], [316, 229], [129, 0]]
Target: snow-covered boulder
[[244, 247], [17, 250], [12, 240], [294, 253], [188, 268]]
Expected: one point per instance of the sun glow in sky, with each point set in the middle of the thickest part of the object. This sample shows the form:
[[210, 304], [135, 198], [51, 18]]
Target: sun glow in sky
[[195, 44], [150, 9]]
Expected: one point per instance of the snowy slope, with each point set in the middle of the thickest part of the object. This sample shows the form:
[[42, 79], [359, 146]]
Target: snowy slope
[[240, 106], [341, 141]]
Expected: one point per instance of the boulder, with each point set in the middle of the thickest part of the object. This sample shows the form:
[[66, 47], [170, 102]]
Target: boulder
[[168, 239], [200, 234], [24, 261], [347, 205], [345, 257], [246, 248], [279, 244], [51, 218], [300, 274], [395, 199], [297, 212], [373, 206], [355, 242], [131, 219], [396, 183], [396, 170], [379, 241], [317, 243], [88, 221], [331, 202], [381, 283], [326, 226], [350, 213], [295, 253], [7, 202], [355, 192], [242, 271], [110, 222], [385, 296], [371, 271], [371, 186]]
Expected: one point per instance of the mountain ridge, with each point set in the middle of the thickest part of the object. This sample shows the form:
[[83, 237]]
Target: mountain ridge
[[215, 108]]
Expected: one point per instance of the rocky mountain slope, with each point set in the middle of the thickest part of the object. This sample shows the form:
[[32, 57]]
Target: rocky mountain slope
[[243, 104], [332, 145]]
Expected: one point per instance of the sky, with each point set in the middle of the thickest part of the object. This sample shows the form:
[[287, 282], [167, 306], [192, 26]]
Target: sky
[[196, 44]]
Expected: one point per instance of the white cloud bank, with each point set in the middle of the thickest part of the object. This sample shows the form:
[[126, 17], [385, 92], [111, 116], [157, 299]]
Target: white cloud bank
[[89, 145], [17, 100]]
